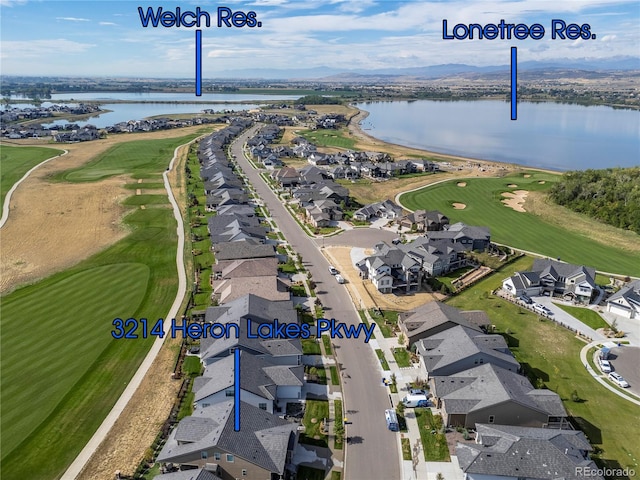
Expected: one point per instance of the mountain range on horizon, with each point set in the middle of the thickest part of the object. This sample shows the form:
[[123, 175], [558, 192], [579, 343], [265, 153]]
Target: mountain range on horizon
[[430, 72]]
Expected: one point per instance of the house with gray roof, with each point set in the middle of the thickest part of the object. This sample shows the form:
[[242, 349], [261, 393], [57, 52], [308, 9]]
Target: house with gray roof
[[424, 221], [194, 474], [263, 383], [258, 310], [436, 317], [240, 250], [504, 452], [391, 270], [491, 394], [261, 449], [527, 283], [470, 237], [574, 281], [460, 348], [626, 301], [386, 209], [270, 287]]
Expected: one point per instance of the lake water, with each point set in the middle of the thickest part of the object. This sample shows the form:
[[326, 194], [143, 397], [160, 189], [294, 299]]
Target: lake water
[[546, 135], [123, 112]]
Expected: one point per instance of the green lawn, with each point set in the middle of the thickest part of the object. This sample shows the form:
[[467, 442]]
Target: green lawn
[[16, 161], [550, 356], [383, 360], [192, 366], [335, 378], [309, 473], [386, 323], [61, 369], [329, 138], [406, 449], [434, 444], [315, 411], [520, 230], [365, 320], [326, 341], [338, 428], [310, 346], [586, 316], [403, 359]]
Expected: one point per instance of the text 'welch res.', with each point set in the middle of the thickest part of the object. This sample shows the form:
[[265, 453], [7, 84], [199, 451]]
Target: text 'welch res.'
[[223, 17]]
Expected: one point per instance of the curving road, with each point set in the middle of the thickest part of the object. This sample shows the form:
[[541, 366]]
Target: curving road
[[91, 447], [373, 450], [7, 200]]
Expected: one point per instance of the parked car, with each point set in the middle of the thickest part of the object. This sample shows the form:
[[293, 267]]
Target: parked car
[[415, 401], [604, 365], [339, 278], [618, 380], [332, 270], [396, 241], [526, 299], [392, 420]]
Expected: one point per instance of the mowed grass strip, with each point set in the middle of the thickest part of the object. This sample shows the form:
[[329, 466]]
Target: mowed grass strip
[[140, 159], [52, 332], [16, 161], [101, 376], [550, 355], [482, 197], [329, 138]]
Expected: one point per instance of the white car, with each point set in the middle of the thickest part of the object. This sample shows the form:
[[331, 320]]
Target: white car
[[605, 366], [618, 380], [339, 278], [332, 270]]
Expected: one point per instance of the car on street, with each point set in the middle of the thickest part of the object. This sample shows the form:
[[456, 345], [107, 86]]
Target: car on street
[[618, 380], [604, 365], [339, 278], [333, 270]]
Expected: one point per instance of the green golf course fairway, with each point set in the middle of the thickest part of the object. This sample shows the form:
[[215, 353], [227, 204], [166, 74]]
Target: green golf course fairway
[[522, 230]]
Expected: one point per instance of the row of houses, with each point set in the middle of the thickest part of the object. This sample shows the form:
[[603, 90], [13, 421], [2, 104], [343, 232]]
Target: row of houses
[[402, 268], [521, 431], [247, 286]]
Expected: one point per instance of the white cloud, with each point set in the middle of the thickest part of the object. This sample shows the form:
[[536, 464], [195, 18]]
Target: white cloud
[[73, 19], [11, 3], [608, 38], [107, 23], [42, 48]]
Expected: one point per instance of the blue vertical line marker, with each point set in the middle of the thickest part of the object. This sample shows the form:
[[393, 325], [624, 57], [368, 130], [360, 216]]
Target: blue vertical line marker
[[198, 63], [236, 389], [514, 79]]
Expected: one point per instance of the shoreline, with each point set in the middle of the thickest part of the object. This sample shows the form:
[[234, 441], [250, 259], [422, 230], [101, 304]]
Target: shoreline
[[355, 129]]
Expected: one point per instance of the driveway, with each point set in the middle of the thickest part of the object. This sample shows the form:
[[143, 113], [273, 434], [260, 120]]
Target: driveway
[[561, 316], [372, 452], [360, 237], [625, 361]]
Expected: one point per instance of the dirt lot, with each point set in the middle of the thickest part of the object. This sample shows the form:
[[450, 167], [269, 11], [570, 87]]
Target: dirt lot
[[364, 294], [52, 226]]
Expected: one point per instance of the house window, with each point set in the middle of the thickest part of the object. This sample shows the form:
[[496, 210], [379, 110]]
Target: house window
[[205, 405], [216, 456], [228, 393], [244, 472], [229, 458], [262, 406], [203, 454], [491, 418]]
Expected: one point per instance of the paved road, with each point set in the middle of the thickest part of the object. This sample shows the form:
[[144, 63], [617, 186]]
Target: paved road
[[7, 200], [372, 453], [92, 446]]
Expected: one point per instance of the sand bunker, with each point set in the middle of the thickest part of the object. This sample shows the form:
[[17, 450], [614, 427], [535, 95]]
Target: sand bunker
[[459, 206], [526, 175], [512, 185], [542, 182], [515, 199], [462, 184]]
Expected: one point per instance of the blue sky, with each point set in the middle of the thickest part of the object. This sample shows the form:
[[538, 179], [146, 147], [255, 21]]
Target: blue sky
[[96, 38]]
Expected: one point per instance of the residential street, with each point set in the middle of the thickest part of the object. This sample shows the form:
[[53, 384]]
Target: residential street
[[373, 450]]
